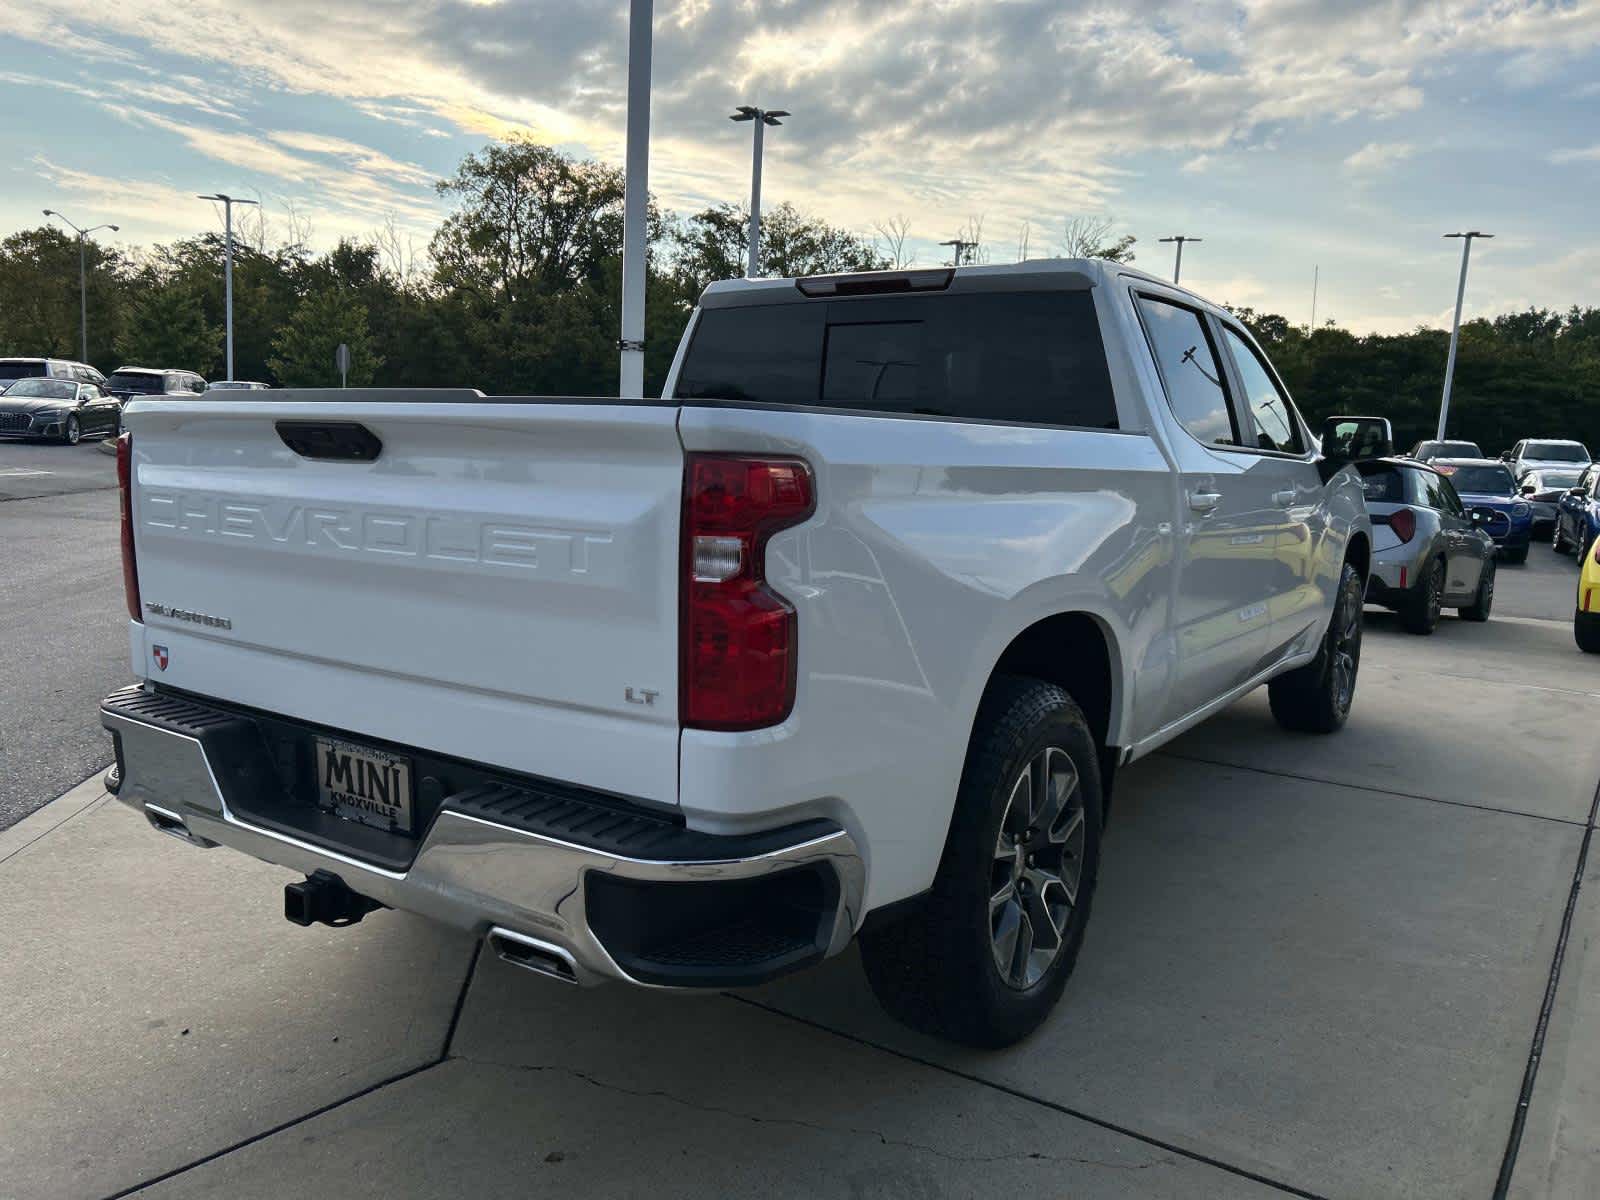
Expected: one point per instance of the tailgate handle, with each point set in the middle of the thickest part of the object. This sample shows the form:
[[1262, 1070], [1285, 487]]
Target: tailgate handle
[[338, 441]]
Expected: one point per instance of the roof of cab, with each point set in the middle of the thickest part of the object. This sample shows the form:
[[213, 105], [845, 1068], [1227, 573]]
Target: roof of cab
[[1039, 274]]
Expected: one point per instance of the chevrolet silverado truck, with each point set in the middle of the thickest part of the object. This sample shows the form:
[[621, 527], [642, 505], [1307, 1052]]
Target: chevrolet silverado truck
[[844, 637]]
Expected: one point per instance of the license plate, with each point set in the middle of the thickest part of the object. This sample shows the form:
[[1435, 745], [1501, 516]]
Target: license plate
[[365, 785]]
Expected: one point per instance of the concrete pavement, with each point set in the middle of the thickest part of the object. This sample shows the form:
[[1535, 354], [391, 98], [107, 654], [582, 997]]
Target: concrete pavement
[[61, 608], [1316, 967]]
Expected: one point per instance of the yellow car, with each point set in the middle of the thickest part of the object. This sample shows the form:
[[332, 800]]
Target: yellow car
[[1586, 616]]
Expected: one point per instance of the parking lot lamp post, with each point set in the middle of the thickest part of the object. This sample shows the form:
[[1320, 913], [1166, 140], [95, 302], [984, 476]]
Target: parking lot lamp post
[[227, 203], [762, 119], [636, 200], [1455, 329], [83, 281], [1177, 267]]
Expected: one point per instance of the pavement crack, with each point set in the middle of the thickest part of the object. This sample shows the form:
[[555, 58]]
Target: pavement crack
[[882, 1138]]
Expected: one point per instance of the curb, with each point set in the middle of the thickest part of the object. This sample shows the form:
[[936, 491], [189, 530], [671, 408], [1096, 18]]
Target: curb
[[53, 815]]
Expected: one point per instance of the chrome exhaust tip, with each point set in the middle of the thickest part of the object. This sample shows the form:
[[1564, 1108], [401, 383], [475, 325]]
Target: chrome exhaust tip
[[531, 954], [171, 824]]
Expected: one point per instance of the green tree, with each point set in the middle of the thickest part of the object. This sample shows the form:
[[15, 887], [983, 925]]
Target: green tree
[[303, 353], [39, 303], [712, 244], [531, 221], [167, 327]]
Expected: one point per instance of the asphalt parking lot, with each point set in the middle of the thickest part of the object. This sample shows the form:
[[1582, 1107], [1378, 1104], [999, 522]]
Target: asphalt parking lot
[[1317, 967]]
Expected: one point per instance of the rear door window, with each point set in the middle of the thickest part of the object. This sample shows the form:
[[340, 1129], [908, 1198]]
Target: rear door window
[[1033, 357], [1190, 371]]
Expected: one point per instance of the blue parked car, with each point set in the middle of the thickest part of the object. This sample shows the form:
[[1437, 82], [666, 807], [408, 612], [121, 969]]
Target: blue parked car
[[1483, 483], [1578, 514]]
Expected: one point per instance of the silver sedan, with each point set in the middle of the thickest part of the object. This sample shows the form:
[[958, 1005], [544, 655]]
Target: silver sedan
[[1543, 489], [1428, 550]]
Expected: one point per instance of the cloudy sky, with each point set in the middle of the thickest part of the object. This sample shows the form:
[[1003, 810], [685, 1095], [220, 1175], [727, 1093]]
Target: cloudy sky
[[1289, 134]]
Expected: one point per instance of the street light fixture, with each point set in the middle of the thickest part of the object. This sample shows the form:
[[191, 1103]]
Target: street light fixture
[[227, 203], [762, 119], [83, 284], [1455, 329], [1177, 267]]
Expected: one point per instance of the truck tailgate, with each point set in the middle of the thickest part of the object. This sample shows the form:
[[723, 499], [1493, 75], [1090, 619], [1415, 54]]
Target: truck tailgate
[[500, 584]]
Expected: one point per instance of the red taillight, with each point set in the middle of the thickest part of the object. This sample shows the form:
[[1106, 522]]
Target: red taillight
[[738, 635], [130, 569], [1404, 523]]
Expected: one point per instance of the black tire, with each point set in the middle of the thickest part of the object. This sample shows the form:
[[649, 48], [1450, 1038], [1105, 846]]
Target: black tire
[[1558, 542], [1586, 631], [1419, 612], [935, 967], [1483, 602], [72, 432], [1516, 557], [1316, 698]]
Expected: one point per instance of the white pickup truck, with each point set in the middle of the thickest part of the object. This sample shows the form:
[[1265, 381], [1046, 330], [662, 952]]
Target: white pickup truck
[[846, 635]]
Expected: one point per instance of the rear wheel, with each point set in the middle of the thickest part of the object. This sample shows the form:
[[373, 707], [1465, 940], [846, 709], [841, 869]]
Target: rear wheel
[[1586, 631], [1316, 698], [984, 956], [1420, 611], [1478, 610]]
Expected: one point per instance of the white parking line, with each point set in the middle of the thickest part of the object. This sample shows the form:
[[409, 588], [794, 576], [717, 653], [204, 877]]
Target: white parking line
[[16, 472]]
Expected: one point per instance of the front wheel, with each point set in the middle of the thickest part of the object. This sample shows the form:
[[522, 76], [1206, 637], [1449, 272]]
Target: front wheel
[[1517, 557], [983, 957], [1483, 601], [73, 433], [1558, 541], [1316, 698]]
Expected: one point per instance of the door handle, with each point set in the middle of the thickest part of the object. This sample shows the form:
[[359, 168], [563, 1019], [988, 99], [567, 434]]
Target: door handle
[[1204, 502], [1284, 498]]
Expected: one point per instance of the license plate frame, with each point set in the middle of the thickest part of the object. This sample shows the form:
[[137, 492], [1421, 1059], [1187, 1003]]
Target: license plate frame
[[364, 784]]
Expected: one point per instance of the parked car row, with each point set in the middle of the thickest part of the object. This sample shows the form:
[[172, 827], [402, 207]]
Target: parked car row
[[55, 399]]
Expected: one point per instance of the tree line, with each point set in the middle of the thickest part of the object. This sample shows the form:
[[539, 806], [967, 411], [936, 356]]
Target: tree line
[[518, 292]]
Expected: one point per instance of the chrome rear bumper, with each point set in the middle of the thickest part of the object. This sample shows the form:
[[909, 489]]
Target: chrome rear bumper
[[525, 891]]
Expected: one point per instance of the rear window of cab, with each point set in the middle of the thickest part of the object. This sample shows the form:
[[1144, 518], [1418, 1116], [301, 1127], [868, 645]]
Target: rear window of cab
[[1032, 357]]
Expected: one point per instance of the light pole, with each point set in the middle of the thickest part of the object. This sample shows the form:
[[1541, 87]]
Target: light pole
[[961, 251], [83, 281], [1455, 329], [636, 201], [1177, 267], [227, 203], [762, 119]]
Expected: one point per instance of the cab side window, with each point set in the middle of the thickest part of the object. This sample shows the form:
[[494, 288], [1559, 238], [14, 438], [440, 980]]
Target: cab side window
[[1276, 427], [1190, 371]]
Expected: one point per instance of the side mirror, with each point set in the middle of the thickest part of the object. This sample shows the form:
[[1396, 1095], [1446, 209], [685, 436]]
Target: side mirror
[[1528, 489], [1347, 439], [1505, 456]]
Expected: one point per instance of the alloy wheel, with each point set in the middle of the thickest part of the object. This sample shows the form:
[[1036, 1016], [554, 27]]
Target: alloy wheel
[[1346, 646], [74, 431], [1038, 867]]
